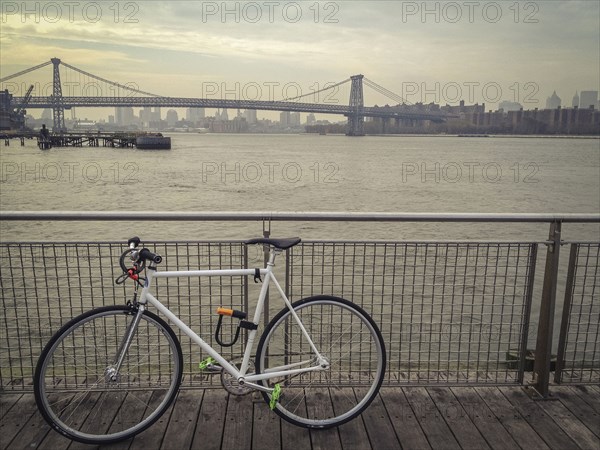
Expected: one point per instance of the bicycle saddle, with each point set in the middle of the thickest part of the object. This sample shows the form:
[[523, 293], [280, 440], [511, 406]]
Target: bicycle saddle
[[282, 243]]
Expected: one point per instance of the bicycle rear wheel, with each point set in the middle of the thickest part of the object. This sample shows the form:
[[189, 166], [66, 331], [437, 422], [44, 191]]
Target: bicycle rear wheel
[[77, 391], [351, 342]]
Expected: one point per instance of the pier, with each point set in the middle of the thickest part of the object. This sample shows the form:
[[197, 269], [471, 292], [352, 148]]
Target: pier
[[7, 136], [459, 320], [408, 417], [99, 139], [75, 139]]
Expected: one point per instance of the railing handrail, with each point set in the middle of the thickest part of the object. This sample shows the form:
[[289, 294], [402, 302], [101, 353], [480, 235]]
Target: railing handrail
[[297, 216]]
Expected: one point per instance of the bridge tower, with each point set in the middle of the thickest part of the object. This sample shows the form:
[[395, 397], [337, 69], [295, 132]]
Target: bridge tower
[[58, 111], [355, 118]]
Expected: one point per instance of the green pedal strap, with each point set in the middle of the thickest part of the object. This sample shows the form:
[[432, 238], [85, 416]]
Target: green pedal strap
[[275, 396], [206, 362]]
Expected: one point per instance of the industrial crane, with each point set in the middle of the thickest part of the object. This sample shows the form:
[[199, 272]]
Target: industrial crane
[[21, 108]]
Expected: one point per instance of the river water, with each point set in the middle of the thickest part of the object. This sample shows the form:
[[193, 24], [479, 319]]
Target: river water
[[238, 172], [229, 172]]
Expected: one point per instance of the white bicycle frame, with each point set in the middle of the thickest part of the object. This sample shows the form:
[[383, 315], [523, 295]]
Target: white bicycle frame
[[241, 375]]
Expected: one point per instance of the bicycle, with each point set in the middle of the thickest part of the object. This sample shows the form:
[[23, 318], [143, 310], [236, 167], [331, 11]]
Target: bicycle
[[119, 367]]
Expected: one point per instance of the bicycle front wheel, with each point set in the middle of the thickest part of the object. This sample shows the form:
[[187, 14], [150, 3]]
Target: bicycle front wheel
[[82, 396], [346, 337]]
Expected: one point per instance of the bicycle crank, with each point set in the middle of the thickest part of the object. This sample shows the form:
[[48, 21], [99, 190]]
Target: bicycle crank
[[230, 383]]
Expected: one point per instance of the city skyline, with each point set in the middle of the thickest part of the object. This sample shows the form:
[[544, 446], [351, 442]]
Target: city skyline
[[426, 51]]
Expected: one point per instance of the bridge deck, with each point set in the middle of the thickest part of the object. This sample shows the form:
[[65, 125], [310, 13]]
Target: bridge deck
[[413, 417]]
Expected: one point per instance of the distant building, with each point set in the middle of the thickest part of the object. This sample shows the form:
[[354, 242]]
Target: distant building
[[150, 118], [509, 106], [222, 115], [124, 115], [195, 115], [310, 119], [237, 125], [284, 119], [553, 101], [250, 116], [172, 118], [295, 119], [575, 102], [587, 99], [146, 116]]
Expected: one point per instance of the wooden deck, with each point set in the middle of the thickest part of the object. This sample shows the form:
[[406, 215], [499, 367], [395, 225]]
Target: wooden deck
[[410, 418]]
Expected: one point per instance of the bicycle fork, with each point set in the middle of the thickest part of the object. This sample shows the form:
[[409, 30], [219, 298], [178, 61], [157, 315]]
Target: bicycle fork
[[112, 372]]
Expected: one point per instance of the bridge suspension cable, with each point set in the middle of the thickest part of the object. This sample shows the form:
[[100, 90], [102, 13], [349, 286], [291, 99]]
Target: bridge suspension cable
[[316, 92], [112, 83], [386, 92], [23, 72]]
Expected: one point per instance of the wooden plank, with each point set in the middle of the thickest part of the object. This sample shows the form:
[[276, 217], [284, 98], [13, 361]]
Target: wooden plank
[[319, 404], [590, 396], [488, 409], [377, 422], [571, 425], [180, 430], [484, 419], [32, 434], [153, 436], [538, 419], [101, 417], [435, 428], [132, 408], [293, 436], [402, 417], [594, 387], [266, 429], [211, 419], [584, 412], [55, 440], [465, 432], [509, 417], [6, 403], [238, 423], [353, 434], [21, 411]]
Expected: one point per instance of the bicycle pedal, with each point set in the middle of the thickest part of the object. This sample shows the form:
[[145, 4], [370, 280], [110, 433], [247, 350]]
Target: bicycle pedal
[[275, 396], [210, 366]]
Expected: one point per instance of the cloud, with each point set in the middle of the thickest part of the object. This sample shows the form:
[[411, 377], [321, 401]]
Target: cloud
[[145, 41]]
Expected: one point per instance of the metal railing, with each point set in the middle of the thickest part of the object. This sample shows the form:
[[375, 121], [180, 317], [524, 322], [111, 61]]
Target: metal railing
[[456, 313], [449, 312], [579, 344]]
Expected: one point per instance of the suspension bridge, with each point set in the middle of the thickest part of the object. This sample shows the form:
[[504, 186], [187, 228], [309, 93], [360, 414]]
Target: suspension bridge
[[127, 96]]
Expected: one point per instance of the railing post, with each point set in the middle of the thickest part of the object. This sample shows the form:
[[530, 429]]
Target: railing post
[[543, 348], [564, 323], [266, 234]]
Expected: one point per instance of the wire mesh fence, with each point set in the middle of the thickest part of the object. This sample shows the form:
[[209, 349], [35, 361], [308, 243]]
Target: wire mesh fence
[[44, 285], [449, 312], [578, 358]]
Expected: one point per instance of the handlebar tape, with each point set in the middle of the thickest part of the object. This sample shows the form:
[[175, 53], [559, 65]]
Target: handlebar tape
[[147, 255]]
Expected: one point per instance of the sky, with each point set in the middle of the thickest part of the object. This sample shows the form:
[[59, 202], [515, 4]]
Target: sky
[[424, 51]]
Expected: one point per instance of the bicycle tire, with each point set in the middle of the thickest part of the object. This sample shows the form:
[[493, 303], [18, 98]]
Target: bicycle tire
[[351, 341], [76, 396]]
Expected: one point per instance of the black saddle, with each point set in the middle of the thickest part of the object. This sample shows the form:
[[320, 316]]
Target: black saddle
[[282, 243]]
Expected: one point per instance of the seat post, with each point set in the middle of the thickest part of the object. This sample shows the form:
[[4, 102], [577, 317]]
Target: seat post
[[273, 252]]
